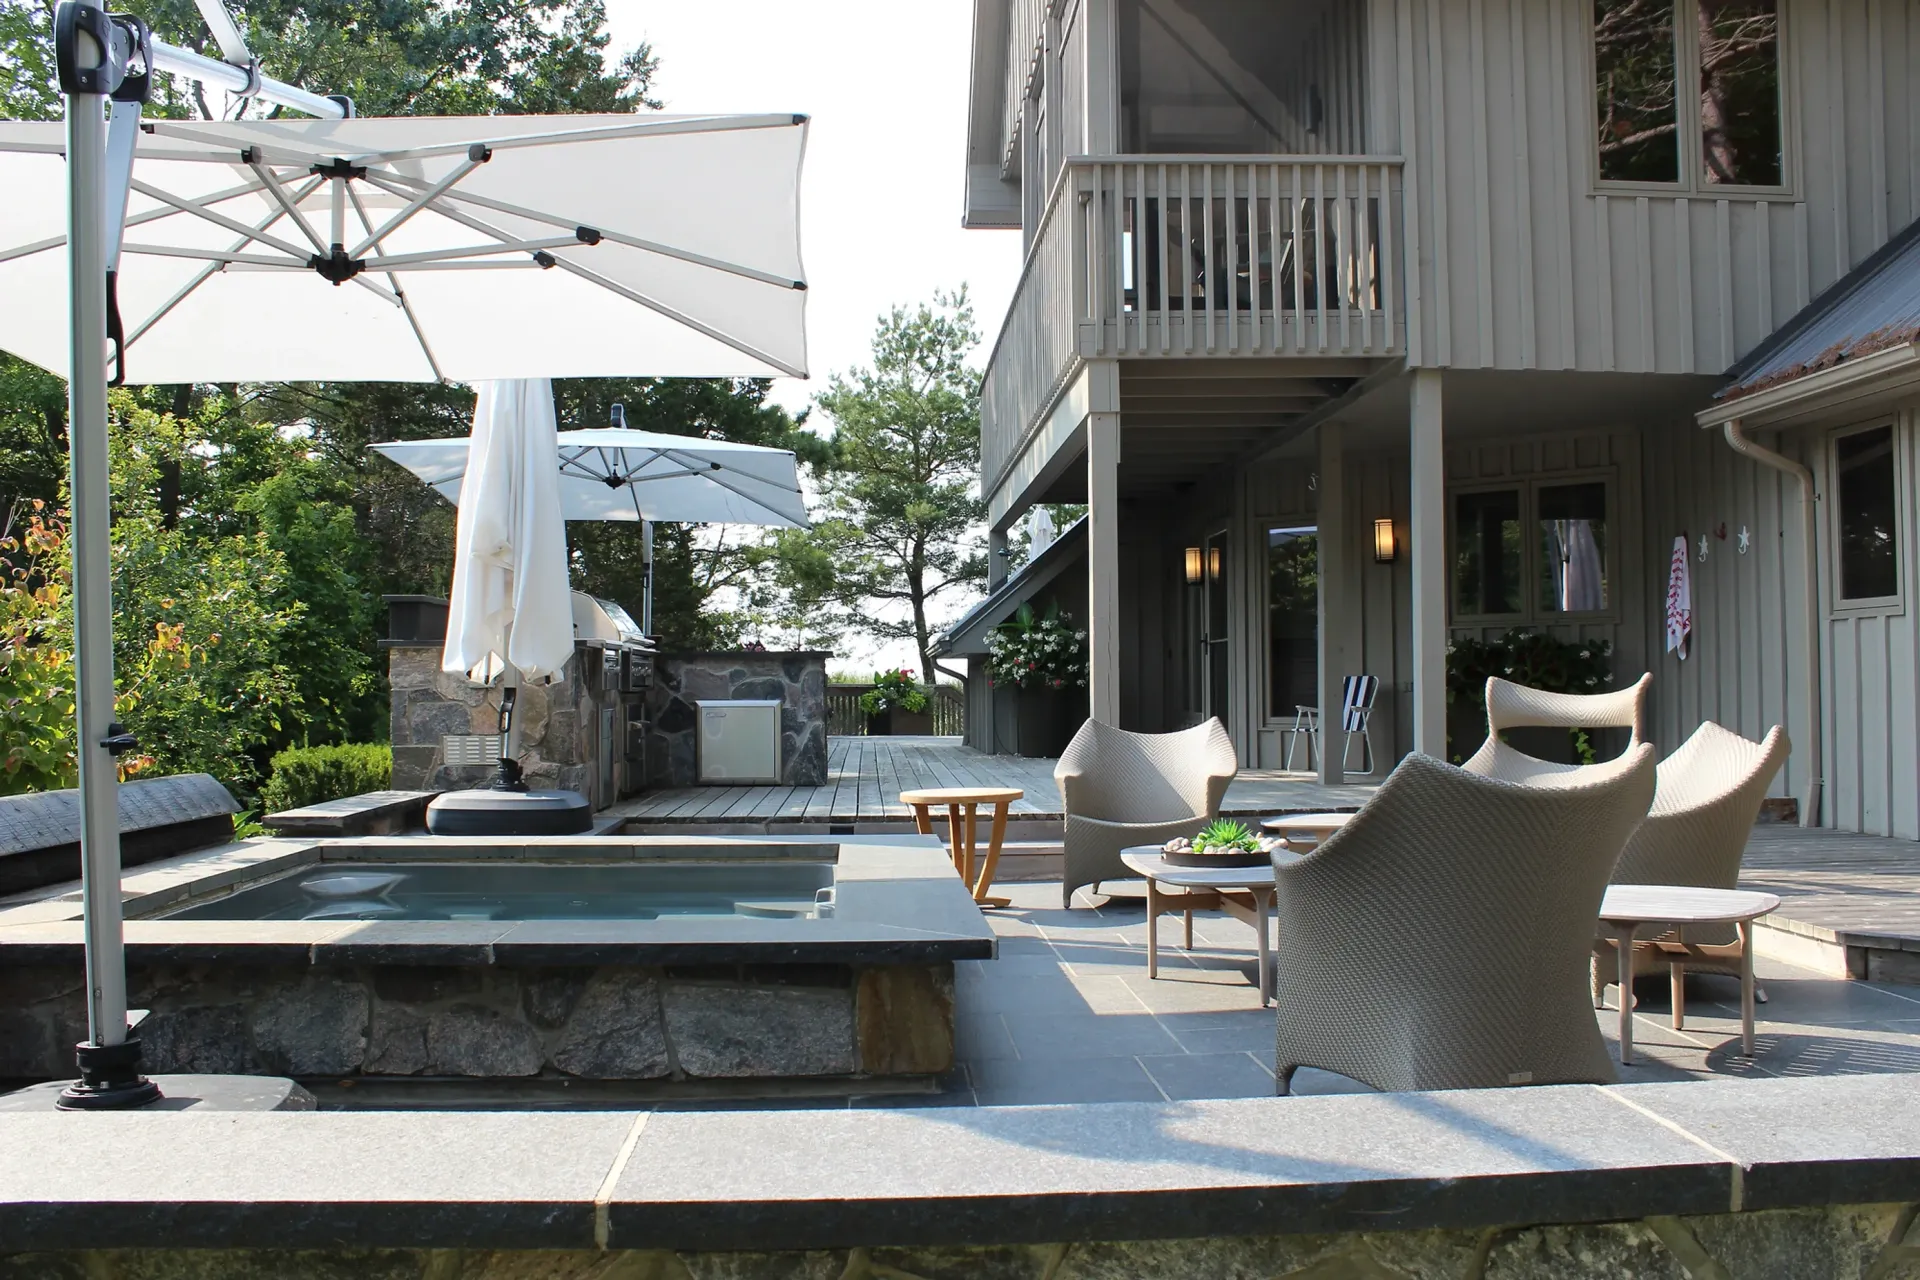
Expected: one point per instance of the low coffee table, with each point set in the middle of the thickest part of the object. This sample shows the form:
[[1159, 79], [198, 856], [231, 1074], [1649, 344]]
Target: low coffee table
[[1628, 908], [1246, 893], [963, 807], [1307, 829]]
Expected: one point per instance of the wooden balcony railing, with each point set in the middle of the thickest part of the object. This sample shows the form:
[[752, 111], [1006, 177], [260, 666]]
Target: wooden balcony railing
[[1184, 256], [947, 705]]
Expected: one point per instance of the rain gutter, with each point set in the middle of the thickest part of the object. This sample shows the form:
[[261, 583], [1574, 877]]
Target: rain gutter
[[1810, 587]]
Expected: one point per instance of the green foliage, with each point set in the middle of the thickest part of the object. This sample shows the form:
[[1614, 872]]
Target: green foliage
[[903, 518], [1534, 659], [1037, 651], [309, 775], [36, 667], [1223, 835], [891, 690]]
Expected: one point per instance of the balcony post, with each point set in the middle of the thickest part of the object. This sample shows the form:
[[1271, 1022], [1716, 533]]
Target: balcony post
[[997, 571], [1103, 566], [1335, 586], [1427, 553]]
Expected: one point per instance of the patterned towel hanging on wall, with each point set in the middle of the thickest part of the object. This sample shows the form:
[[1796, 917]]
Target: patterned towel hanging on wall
[[1679, 600]]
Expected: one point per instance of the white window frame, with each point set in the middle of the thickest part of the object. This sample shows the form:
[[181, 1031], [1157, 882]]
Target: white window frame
[[1894, 605], [1531, 614], [1692, 182]]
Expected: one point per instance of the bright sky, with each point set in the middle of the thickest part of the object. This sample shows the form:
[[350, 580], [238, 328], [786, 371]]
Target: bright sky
[[885, 82]]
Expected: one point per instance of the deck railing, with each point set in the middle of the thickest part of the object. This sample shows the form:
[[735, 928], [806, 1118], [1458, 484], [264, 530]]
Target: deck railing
[[1179, 256], [845, 719]]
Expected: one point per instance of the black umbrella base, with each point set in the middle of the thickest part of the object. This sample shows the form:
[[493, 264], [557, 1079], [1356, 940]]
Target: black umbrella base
[[182, 1093], [510, 813]]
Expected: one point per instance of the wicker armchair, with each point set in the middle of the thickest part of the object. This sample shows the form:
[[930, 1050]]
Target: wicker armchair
[[1385, 971], [1123, 789], [1709, 795], [1515, 706]]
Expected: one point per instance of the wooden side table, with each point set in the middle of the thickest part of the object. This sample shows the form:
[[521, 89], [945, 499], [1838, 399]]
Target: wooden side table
[[963, 808], [1628, 908], [1246, 893]]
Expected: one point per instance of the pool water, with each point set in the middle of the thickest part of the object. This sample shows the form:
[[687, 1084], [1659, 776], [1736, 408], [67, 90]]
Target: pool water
[[787, 889]]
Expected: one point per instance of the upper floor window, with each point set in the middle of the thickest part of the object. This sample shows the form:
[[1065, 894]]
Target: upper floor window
[[1688, 92]]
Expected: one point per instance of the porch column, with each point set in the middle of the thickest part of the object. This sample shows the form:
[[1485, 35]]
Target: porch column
[[1427, 554], [1334, 588], [1103, 566]]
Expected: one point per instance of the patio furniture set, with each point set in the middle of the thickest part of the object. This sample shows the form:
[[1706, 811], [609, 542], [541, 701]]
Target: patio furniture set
[[1436, 938]]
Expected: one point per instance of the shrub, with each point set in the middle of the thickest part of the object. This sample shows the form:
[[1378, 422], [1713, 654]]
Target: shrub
[[1032, 651], [896, 688], [308, 775], [1534, 659]]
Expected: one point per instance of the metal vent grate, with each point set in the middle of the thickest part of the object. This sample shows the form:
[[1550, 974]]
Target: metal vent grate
[[471, 748]]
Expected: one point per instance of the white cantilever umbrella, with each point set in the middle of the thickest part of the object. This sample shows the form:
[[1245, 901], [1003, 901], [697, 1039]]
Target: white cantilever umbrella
[[613, 473], [416, 249]]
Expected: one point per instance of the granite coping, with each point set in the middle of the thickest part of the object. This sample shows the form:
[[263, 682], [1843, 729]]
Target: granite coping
[[897, 903], [785, 1180]]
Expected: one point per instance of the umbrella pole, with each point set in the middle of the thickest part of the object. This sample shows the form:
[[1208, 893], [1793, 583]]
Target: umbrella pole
[[109, 1061], [646, 577]]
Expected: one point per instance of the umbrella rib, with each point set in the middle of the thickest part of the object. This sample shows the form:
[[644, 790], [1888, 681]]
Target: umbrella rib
[[631, 242], [719, 477], [221, 220], [219, 256], [697, 124], [226, 147], [205, 275], [414, 206], [631, 295], [406, 305], [411, 260], [136, 220], [280, 194]]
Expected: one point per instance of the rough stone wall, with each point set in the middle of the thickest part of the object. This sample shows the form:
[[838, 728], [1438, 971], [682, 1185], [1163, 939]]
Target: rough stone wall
[[799, 680], [614, 1022], [1835, 1243], [558, 722]]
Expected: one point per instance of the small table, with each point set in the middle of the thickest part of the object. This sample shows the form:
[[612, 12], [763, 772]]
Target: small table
[[1246, 893], [1305, 828], [963, 806], [1628, 908]]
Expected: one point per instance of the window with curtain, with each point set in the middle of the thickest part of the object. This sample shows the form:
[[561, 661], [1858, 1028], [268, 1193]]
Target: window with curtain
[[1572, 520]]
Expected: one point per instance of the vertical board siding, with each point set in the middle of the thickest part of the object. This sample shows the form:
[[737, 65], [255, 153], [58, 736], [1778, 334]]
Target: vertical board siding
[[1530, 266]]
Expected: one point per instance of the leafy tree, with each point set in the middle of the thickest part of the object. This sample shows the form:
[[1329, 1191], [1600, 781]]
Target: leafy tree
[[905, 522]]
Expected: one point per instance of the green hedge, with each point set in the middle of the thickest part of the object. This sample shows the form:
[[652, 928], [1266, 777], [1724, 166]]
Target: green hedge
[[307, 775]]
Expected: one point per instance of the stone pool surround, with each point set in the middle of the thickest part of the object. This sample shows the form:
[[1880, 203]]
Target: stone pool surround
[[867, 993], [1747, 1178]]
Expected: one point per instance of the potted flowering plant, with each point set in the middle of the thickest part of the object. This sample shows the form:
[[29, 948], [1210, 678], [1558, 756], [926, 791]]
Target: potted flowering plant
[[1037, 663], [896, 705]]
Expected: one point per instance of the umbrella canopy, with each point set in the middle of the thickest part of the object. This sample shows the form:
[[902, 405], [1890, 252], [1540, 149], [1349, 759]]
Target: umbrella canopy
[[511, 598], [614, 473], [418, 249]]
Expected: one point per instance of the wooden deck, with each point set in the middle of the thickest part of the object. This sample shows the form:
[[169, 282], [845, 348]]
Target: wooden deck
[[867, 775]]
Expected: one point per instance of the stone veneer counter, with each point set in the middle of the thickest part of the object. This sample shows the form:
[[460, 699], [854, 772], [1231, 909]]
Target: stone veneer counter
[[797, 680], [867, 992]]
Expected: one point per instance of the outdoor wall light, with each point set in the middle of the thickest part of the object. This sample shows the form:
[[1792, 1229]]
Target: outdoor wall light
[[1213, 563], [1193, 566], [1384, 549]]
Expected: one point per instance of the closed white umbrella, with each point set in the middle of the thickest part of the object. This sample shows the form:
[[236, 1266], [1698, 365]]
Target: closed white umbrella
[[511, 599]]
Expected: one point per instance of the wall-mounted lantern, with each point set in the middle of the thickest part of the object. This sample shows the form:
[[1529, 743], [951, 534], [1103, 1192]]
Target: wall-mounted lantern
[[1193, 566], [1384, 549], [1213, 563]]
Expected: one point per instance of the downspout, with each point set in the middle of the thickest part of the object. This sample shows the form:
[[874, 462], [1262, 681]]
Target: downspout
[[1816, 782]]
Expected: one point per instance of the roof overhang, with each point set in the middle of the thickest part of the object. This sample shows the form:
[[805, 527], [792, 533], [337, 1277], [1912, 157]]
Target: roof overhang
[[1856, 386], [991, 201], [968, 636]]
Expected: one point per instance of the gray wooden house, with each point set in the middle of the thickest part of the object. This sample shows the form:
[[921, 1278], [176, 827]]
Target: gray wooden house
[[1342, 314]]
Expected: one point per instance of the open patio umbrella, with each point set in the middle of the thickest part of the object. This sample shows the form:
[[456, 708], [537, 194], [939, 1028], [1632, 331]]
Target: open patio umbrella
[[342, 249], [418, 249]]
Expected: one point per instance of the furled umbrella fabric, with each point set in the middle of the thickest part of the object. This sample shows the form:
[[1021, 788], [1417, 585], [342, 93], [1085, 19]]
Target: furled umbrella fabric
[[511, 598]]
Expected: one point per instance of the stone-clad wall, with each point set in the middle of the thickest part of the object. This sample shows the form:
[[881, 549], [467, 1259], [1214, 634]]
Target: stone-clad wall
[[798, 680], [555, 723], [611, 1022]]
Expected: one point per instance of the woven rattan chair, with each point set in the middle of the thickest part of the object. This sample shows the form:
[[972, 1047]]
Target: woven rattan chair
[[1385, 971], [1123, 789], [1515, 706], [1704, 808]]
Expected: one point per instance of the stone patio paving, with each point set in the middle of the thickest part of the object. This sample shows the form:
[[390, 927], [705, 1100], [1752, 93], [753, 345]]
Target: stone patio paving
[[1068, 1014]]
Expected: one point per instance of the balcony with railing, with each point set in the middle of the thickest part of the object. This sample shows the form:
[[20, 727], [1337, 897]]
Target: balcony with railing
[[1184, 257]]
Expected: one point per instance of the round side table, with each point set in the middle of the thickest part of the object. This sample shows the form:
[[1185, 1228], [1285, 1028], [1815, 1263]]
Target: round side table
[[1628, 908], [963, 807]]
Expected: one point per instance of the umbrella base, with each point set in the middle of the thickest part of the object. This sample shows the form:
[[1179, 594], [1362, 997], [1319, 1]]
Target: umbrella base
[[510, 813], [185, 1093]]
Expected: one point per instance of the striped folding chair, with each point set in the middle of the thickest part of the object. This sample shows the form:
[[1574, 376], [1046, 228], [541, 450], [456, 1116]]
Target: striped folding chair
[[1356, 710]]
